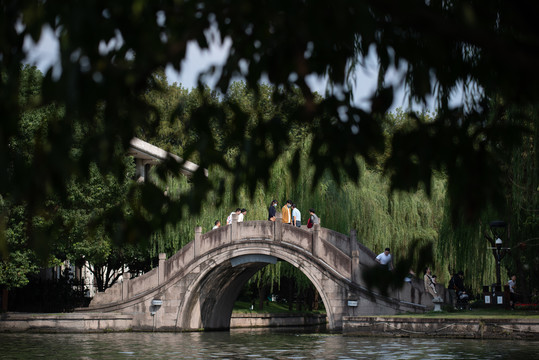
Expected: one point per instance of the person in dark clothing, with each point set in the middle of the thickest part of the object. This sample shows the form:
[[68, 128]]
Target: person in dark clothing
[[458, 282], [272, 210], [512, 284], [452, 292], [462, 296]]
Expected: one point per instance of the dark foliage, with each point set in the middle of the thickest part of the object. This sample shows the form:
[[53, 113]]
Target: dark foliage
[[442, 45]]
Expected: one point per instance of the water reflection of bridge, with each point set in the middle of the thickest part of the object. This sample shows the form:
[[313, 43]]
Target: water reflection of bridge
[[197, 287]]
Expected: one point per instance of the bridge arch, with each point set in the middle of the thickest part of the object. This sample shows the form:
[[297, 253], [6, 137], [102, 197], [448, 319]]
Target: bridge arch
[[196, 287], [210, 298]]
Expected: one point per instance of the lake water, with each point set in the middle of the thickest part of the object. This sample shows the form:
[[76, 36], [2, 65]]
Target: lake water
[[255, 345]]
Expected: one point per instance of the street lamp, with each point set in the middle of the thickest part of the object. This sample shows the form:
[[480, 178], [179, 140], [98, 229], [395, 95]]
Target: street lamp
[[498, 229]]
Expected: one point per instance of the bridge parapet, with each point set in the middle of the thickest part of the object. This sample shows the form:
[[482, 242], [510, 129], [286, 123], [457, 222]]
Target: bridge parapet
[[178, 261], [143, 282], [212, 239], [301, 238], [255, 230], [364, 257], [112, 294], [340, 241], [335, 258]]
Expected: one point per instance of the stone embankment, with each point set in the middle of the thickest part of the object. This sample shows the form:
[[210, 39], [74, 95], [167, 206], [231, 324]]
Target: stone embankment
[[469, 328], [101, 322], [65, 322], [275, 320]]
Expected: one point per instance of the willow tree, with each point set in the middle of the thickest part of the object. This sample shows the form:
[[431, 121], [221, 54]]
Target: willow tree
[[400, 220], [488, 45], [522, 196], [465, 245]]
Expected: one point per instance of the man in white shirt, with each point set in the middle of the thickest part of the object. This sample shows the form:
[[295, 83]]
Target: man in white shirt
[[385, 259], [296, 216]]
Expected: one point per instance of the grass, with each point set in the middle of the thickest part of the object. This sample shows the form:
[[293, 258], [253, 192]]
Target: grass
[[271, 307]]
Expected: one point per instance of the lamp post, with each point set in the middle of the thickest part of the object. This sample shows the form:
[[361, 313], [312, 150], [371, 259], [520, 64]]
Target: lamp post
[[498, 229]]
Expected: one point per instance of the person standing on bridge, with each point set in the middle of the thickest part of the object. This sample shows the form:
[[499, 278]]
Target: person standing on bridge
[[286, 212], [242, 214], [313, 219], [296, 216], [217, 225], [229, 218], [272, 210], [384, 259]]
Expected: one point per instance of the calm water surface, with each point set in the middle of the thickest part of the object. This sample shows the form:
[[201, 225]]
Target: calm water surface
[[253, 344]]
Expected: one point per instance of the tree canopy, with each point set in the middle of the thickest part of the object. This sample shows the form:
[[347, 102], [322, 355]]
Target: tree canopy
[[110, 51]]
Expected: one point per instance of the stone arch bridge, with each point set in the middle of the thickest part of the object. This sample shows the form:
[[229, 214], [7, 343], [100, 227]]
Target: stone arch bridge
[[196, 288]]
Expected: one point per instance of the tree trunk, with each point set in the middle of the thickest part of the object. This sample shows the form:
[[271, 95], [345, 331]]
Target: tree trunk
[[261, 297], [98, 276], [290, 295], [309, 299], [5, 294], [522, 284]]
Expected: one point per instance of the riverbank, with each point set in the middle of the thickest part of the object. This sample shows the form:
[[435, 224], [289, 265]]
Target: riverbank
[[65, 322], [238, 320], [465, 325], [480, 323], [103, 322], [443, 327]]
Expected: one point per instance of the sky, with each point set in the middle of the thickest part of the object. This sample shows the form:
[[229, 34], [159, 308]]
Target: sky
[[45, 54], [365, 77]]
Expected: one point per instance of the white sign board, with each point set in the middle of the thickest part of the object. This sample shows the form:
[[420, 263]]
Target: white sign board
[[487, 299], [500, 299], [352, 302]]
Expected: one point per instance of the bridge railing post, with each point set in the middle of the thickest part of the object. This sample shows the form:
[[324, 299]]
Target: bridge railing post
[[316, 239], [354, 253], [125, 282], [356, 273], [161, 271], [198, 234], [278, 227], [353, 241], [234, 231]]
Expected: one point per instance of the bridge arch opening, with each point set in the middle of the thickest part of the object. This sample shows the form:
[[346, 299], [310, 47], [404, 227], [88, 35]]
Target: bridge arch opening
[[280, 287], [214, 295]]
